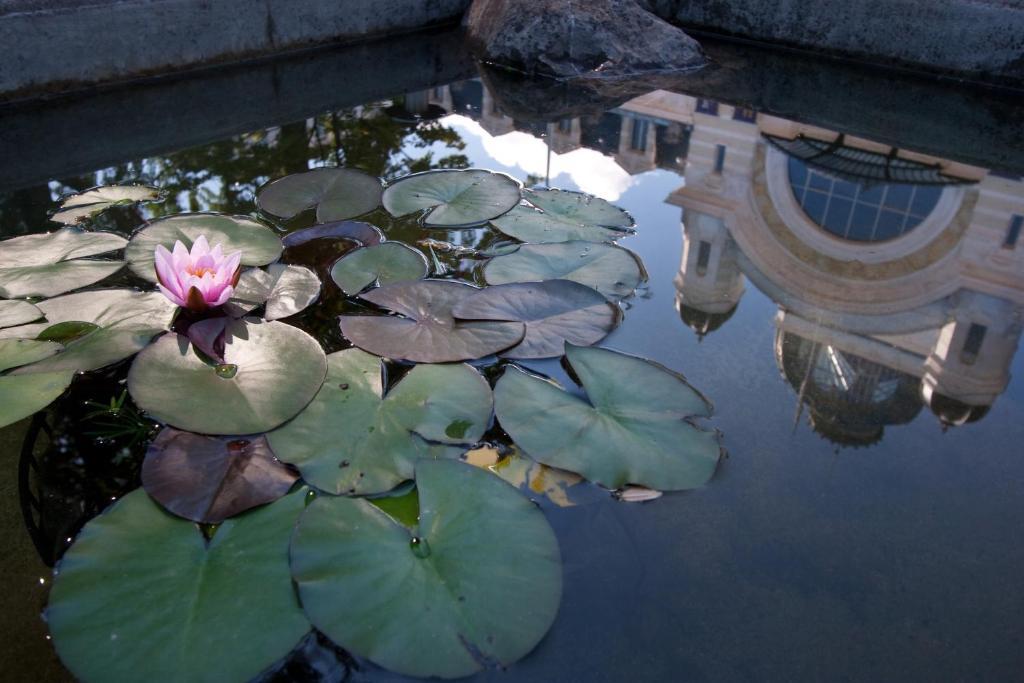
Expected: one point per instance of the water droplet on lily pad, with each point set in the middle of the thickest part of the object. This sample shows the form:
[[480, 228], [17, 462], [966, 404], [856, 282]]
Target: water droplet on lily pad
[[420, 547], [226, 370]]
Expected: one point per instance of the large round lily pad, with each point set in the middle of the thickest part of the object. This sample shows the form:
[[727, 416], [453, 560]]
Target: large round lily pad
[[258, 243], [78, 207], [127, 321], [141, 596], [208, 479], [353, 439], [270, 372], [285, 289], [454, 198], [337, 194], [563, 216], [21, 396], [427, 332], [18, 313], [478, 583], [382, 264], [611, 270], [633, 428], [555, 312], [51, 263]]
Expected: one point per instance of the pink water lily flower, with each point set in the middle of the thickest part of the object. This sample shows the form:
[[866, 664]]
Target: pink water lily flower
[[204, 278]]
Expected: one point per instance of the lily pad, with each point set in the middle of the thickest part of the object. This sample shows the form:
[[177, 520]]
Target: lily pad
[[50, 264], [563, 216], [208, 479], [18, 352], [611, 270], [357, 231], [285, 289], [337, 194], [258, 243], [67, 332], [141, 596], [427, 332], [21, 396], [127, 321], [270, 372], [354, 439], [634, 427], [454, 198], [479, 582], [77, 207], [555, 312], [383, 264], [18, 313]]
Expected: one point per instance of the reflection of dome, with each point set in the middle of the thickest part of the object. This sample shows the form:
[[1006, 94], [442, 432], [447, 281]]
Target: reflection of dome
[[954, 413], [851, 399], [860, 211], [700, 321]]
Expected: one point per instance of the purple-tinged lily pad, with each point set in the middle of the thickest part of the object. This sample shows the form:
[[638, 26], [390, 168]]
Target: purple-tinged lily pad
[[208, 479], [357, 231], [337, 194], [424, 330], [555, 312]]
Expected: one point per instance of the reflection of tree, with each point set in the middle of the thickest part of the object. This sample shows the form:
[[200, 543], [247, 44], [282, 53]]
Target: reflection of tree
[[225, 175]]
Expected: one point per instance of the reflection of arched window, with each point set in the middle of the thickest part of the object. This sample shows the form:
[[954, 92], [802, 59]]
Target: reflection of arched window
[[860, 211]]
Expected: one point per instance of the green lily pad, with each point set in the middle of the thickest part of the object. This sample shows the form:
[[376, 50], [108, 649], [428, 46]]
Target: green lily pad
[[208, 479], [427, 332], [18, 313], [354, 439], [555, 312], [611, 270], [357, 231], [337, 194], [479, 583], [51, 263], [633, 428], [141, 596], [285, 289], [270, 372], [258, 243], [67, 332], [78, 207], [382, 264], [21, 396], [18, 352], [454, 198], [563, 216], [127, 321]]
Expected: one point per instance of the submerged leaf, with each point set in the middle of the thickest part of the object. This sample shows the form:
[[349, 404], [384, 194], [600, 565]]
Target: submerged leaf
[[455, 198], [141, 596], [563, 216], [357, 231], [633, 428], [43, 265], [21, 396], [91, 202], [611, 270], [278, 370], [354, 439], [383, 264], [285, 289], [337, 194], [208, 479], [479, 581], [555, 312], [258, 243], [427, 332]]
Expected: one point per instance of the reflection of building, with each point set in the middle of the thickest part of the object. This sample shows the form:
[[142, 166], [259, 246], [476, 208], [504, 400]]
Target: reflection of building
[[898, 276]]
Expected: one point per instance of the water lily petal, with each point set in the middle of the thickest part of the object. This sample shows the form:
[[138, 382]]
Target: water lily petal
[[172, 295], [200, 248], [195, 300]]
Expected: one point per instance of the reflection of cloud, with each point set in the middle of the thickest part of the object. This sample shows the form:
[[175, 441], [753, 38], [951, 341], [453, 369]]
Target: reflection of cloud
[[521, 154]]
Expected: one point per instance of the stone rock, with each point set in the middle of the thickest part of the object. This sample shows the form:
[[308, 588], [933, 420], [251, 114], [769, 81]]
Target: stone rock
[[578, 38]]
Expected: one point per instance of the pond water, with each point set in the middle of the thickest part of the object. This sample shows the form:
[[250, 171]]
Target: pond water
[[852, 310]]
